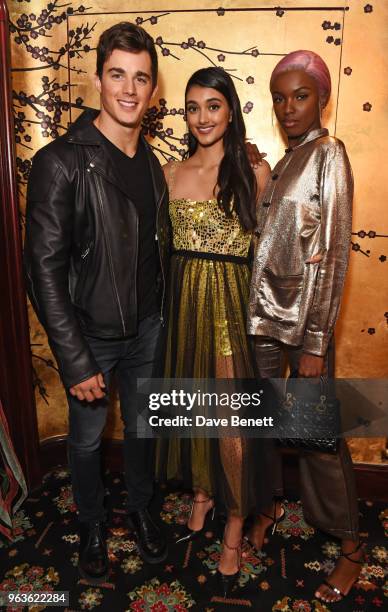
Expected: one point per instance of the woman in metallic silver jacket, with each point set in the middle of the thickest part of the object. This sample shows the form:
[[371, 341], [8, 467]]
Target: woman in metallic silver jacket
[[300, 262]]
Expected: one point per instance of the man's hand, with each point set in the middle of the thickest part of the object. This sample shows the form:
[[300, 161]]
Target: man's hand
[[254, 155], [310, 366], [90, 389]]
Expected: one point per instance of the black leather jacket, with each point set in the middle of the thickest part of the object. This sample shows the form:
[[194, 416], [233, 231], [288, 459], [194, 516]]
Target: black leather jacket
[[81, 246]]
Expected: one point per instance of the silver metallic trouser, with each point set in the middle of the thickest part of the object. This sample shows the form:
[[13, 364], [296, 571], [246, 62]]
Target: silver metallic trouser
[[328, 489]]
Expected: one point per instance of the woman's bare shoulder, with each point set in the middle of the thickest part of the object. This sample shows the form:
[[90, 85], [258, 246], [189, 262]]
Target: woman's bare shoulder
[[175, 165], [168, 167]]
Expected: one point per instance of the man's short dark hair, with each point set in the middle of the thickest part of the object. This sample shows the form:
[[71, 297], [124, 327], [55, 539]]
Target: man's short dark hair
[[127, 37]]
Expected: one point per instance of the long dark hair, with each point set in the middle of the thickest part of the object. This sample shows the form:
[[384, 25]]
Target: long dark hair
[[237, 188]]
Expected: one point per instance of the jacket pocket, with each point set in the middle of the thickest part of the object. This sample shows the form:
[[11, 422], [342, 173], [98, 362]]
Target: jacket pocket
[[279, 297]]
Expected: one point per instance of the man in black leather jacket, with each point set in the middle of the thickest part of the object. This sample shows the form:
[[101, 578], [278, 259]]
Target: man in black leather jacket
[[96, 254]]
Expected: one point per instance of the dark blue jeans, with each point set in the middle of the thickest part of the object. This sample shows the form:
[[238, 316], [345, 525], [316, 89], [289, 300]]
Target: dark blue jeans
[[129, 359]]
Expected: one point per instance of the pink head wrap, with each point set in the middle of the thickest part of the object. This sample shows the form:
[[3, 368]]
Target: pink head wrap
[[312, 64]]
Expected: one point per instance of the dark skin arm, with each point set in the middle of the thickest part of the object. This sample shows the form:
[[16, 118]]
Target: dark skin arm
[[255, 157], [310, 366]]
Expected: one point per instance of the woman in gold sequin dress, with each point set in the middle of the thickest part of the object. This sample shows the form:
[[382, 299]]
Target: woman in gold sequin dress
[[212, 210]]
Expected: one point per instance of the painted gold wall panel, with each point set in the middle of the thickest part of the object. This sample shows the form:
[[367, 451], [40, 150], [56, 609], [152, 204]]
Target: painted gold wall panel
[[53, 82]]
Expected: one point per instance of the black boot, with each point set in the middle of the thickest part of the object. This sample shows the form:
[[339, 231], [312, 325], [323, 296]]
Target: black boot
[[93, 556], [151, 545]]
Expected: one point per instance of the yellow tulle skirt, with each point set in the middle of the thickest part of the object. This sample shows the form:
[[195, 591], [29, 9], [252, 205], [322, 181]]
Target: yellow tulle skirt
[[207, 338]]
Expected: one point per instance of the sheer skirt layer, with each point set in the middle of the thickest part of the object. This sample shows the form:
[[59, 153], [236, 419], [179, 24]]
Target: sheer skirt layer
[[207, 339]]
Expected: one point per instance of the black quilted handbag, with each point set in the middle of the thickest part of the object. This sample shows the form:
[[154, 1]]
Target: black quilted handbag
[[310, 416]]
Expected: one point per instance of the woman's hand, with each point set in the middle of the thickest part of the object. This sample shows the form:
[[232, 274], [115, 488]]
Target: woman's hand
[[254, 155], [315, 258], [310, 366]]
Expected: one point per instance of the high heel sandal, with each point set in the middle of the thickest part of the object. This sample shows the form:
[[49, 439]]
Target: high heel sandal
[[191, 534], [276, 519], [340, 595], [275, 522], [228, 581]]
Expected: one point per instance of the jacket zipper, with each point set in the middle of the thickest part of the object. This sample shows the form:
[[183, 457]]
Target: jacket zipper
[[97, 179], [85, 253], [161, 318], [160, 259]]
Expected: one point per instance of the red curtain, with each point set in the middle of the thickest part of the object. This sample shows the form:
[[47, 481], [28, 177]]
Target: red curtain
[[16, 389]]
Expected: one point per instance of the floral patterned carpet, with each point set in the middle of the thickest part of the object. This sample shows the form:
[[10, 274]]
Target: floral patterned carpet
[[43, 556]]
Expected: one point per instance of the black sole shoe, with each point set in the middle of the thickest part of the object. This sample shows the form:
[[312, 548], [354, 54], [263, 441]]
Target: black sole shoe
[[151, 544], [93, 562], [188, 534], [226, 583], [93, 579], [150, 559], [273, 526]]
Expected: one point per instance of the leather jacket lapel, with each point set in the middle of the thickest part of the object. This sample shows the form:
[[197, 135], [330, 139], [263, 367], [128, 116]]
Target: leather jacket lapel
[[82, 132], [158, 180], [100, 162]]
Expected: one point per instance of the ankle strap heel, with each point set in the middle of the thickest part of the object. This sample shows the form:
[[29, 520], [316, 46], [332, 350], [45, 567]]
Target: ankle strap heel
[[360, 546], [276, 519], [228, 581], [191, 534], [236, 548]]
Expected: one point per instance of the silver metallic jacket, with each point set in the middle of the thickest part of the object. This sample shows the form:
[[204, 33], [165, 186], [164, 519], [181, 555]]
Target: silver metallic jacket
[[305, 210]]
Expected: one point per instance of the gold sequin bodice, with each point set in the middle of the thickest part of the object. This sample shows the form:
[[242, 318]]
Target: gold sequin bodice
[[203, 226]]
